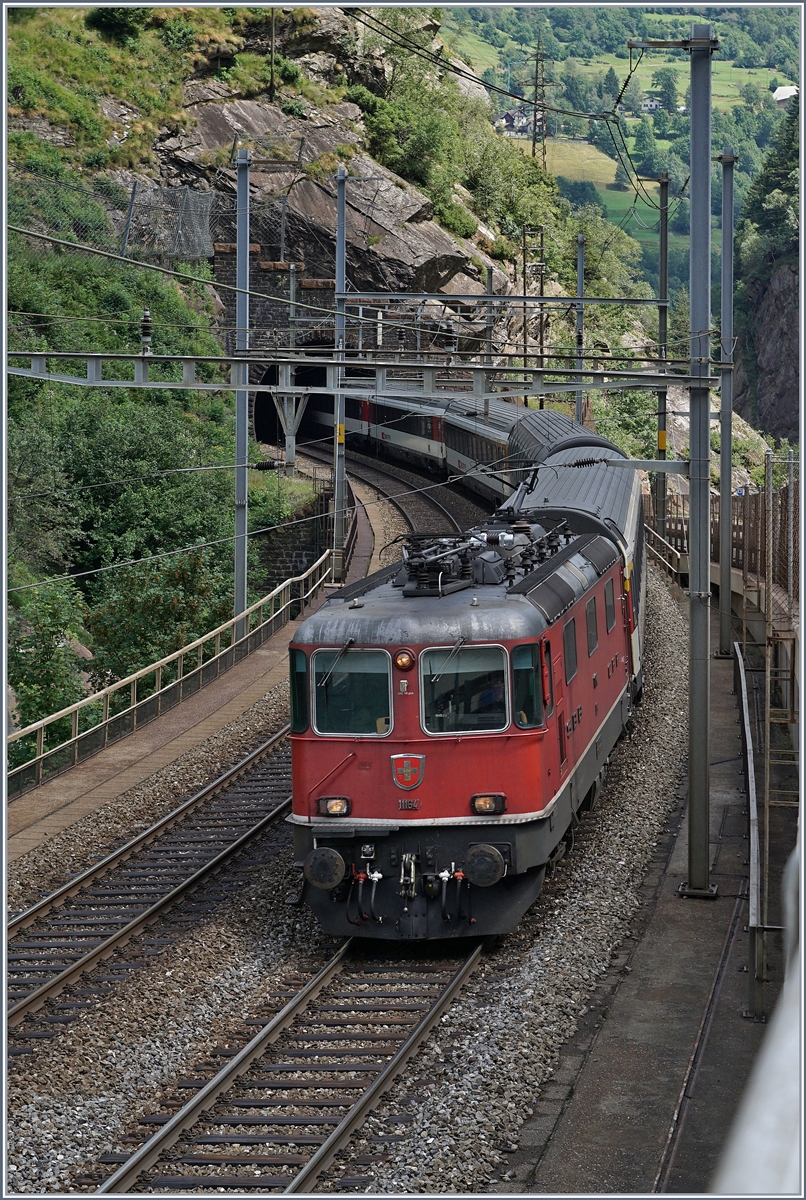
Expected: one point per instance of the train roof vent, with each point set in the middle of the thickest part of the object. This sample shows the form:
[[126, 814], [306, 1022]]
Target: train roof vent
[[552, 597], [601, 553]]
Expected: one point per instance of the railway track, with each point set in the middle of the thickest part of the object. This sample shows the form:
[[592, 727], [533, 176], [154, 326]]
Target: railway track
[[422, 510], [306, 1081], [74, 929]]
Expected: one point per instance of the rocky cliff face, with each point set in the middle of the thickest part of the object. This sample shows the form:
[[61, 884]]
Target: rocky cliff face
[[766, 389], [393, 242]]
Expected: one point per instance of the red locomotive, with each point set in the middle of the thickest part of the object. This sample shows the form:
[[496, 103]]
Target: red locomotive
[[451, 713]]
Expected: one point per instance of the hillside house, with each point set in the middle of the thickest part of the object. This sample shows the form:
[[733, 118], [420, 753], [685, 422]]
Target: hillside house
[[517, 122], [782, 96]]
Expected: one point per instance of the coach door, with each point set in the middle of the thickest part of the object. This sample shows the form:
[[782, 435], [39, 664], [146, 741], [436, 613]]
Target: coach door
[[559, 700]]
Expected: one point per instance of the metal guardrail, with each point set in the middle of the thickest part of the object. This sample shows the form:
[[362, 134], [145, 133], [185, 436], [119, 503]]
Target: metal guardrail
[[662, 552], [117, 710], [755, 928]]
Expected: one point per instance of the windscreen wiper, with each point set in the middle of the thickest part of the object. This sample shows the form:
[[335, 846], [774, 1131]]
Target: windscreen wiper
[[450, 658], [336, 661]]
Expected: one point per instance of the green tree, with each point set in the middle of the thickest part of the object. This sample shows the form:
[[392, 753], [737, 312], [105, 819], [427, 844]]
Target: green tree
[[611, 84], [118, 23], [645, 147], [623, 179], [633, 96], [146, 611], [660, 120], [664, 80], [679, 324], [629, 420], [43, 668]]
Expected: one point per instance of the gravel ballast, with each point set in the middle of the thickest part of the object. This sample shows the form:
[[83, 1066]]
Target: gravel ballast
[[85, 1089], [474, 1081], [46, 867]]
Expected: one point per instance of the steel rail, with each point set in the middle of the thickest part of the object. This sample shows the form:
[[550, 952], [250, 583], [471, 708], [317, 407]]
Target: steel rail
[[54, 899], [164, 1138], [34, 1000], [326, 1153], [388, 474]]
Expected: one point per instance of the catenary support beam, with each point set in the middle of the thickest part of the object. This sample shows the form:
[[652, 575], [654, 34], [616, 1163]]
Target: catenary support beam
[[242, 395], [698, 883], [663, 350], [580, 317], [339, 489], [726, 405]]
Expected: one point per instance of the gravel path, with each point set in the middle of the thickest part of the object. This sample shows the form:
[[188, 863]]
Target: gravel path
[[80, 845], [472, 1084]]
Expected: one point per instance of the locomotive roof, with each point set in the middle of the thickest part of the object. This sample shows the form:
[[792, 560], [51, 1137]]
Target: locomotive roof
[[387, 610], [610, 495], [387, 618]]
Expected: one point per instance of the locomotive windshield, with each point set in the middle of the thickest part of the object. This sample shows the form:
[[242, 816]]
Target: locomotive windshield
[[464, 691], [352, 691]]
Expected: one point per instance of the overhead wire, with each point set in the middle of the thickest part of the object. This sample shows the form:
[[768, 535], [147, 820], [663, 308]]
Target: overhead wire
[[436, 60], [131, 562]]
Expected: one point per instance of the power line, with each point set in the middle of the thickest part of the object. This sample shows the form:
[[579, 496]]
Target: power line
[[132, 562], [48, 318], [406, 43], [86, 487]]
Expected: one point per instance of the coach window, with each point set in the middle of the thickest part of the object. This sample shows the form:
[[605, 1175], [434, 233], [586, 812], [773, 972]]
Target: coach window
[[352, 692], [590, 620], [464, 691], [527, 696], [570, 648], [610, 606], [299, 691]]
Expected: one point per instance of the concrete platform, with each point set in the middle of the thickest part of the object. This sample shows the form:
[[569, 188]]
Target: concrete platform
[[649, 1085]]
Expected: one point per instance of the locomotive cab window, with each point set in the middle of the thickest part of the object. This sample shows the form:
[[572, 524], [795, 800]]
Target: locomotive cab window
[[299, 691], [590, 620], [352, 692], [527, 694], [570, 649], [464, 690], [610, 606]]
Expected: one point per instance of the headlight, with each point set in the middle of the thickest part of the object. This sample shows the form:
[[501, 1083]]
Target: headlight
[[489, 803], [404, 660], [334, 806]]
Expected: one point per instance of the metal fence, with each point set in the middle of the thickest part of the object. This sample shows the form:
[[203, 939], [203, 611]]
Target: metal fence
[[749, 526], [755, 929], [125, 706]]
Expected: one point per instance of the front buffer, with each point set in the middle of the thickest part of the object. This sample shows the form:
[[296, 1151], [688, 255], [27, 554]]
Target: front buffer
[[421, 882]]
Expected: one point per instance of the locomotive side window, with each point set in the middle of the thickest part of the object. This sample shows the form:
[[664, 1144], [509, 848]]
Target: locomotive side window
[[352, 692], [570, 648], [464, 691], [590, 619], [299, 691], [610, 606], [528, 686]]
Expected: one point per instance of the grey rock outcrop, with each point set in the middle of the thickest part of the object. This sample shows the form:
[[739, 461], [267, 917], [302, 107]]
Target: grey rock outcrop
[[393, 242], [767, 385]]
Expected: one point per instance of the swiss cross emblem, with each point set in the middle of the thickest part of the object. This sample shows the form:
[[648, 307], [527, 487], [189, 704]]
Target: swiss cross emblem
[[407, 770]]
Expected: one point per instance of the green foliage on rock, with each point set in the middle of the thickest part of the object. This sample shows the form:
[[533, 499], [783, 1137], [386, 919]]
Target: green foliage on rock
[[629, 420]]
